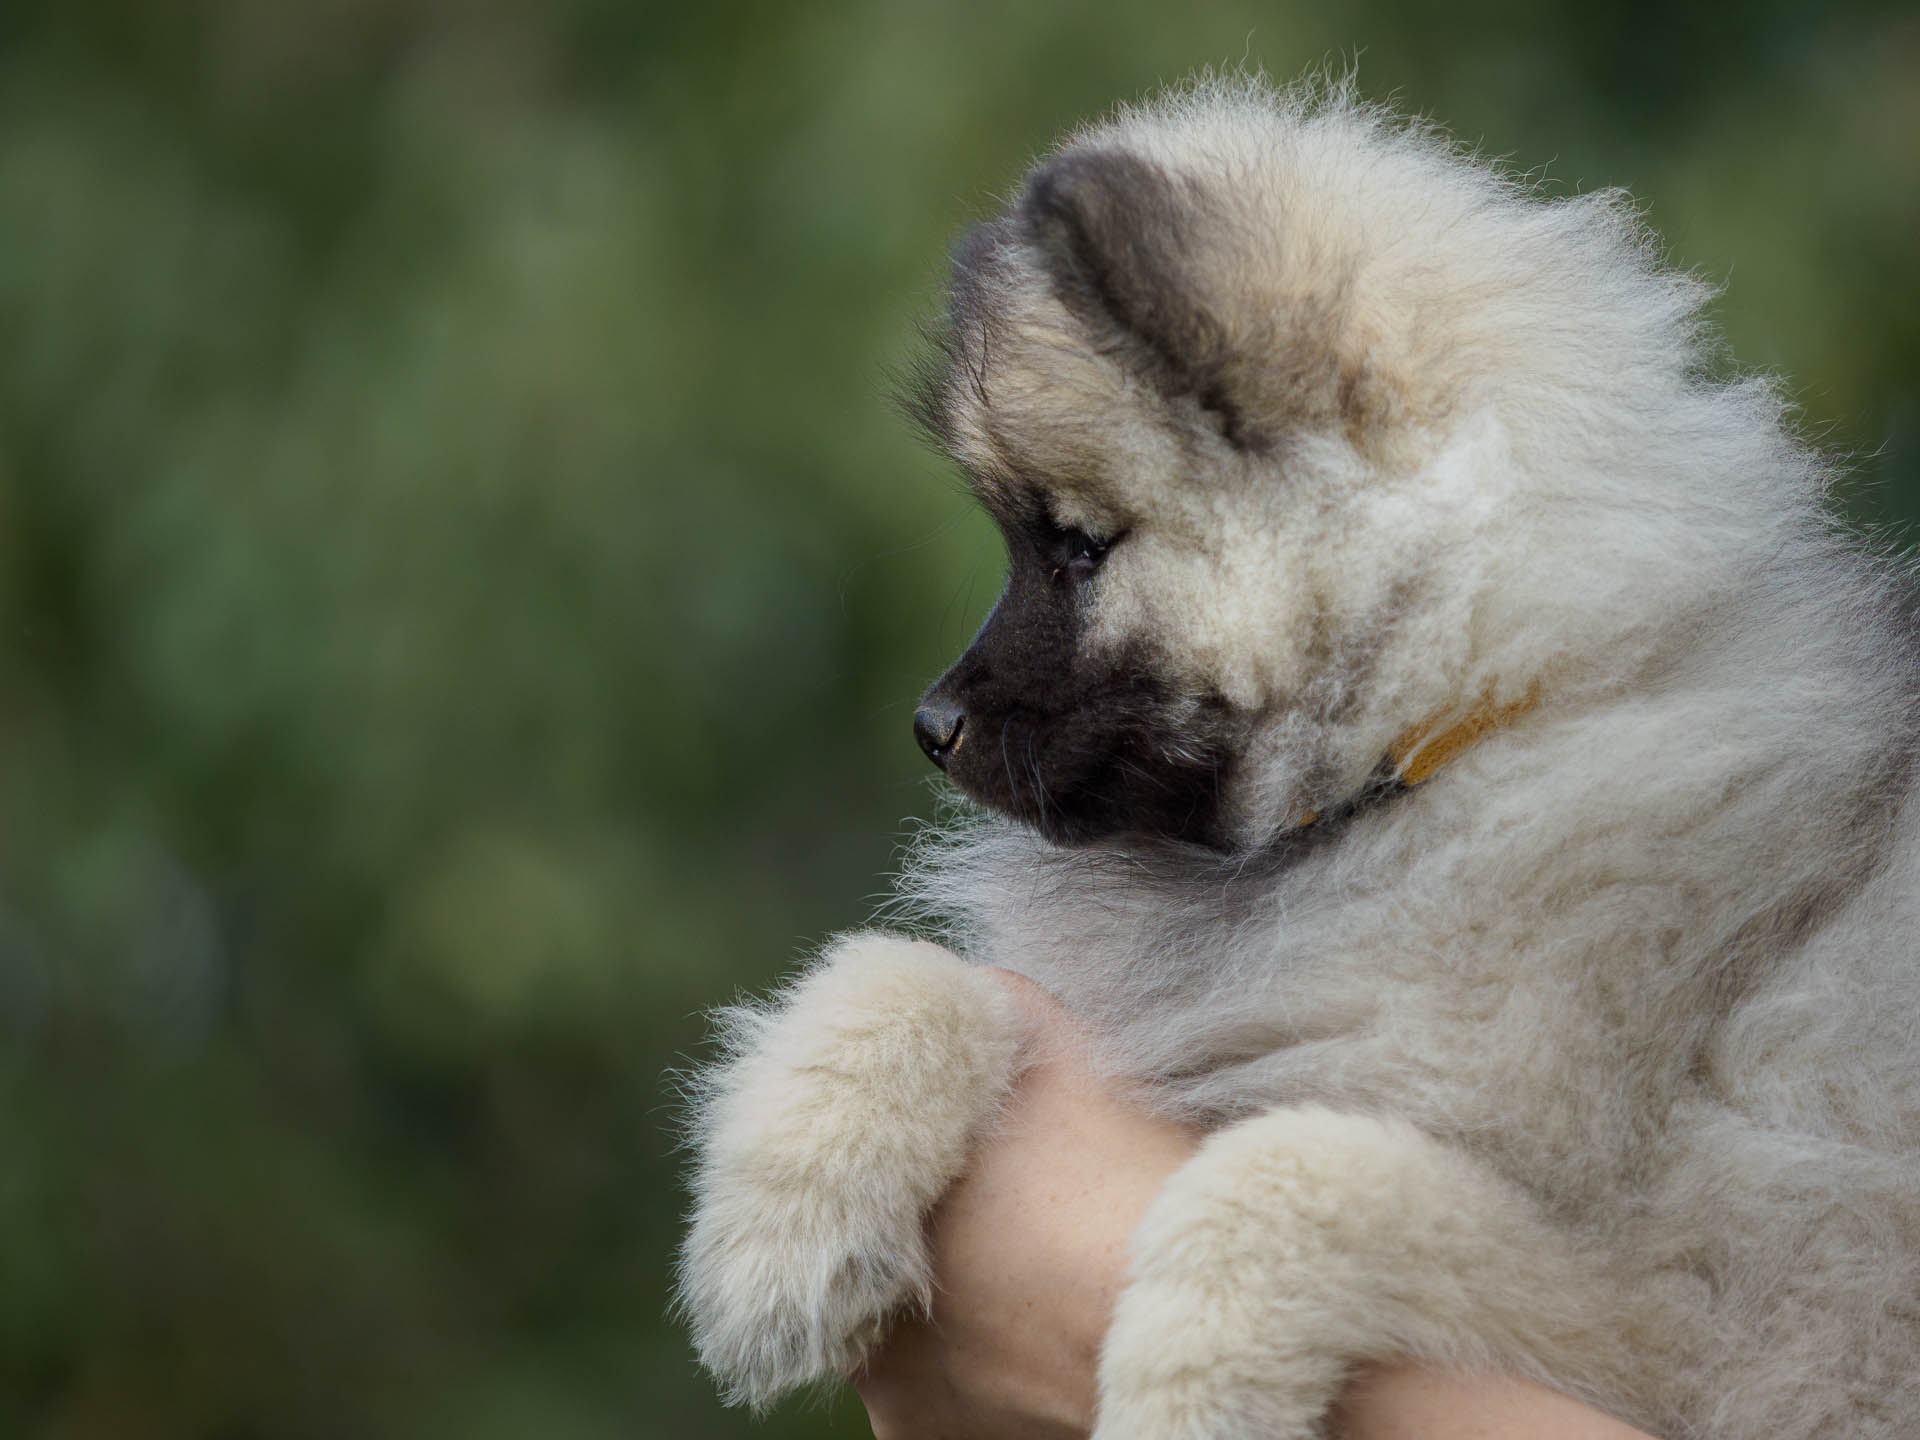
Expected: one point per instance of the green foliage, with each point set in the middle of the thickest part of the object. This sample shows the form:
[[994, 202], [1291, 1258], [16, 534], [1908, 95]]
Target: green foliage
[[462, 590]]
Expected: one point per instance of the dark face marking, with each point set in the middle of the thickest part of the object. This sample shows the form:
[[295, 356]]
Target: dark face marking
[[1078, 747]]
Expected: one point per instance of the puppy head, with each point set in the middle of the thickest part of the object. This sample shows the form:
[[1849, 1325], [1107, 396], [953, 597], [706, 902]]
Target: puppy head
[[1232, 374]]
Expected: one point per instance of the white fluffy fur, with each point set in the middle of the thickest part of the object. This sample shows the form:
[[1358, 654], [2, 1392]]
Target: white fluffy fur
[[845, 1111], [1595, 1057]]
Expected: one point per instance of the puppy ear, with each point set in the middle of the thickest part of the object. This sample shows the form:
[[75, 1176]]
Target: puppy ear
[[1118, 237]]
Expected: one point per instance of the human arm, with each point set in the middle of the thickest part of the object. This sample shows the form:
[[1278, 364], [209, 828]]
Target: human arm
[[1031, 1250]]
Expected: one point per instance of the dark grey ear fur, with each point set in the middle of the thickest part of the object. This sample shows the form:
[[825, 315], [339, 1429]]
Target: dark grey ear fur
[[925, 392], [1117, 236]]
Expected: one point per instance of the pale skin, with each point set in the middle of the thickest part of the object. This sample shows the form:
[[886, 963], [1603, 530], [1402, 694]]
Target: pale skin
[[1031, 1250]]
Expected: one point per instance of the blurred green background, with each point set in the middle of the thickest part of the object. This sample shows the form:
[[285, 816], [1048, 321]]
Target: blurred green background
[[463, 590]]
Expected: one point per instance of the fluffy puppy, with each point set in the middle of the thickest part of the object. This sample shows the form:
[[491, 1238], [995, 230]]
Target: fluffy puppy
[[1434, 736]]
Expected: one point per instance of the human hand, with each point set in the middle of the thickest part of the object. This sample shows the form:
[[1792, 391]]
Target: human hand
[[1031, 1250]]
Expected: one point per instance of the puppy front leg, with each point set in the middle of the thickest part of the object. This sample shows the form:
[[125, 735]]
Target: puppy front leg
[[1297, 1246], [839, 1116]]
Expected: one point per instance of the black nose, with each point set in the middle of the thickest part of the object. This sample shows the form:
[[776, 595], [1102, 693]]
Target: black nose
[[937, 725]]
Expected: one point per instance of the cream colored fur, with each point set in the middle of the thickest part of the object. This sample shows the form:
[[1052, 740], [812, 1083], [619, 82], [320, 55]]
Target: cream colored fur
[[1597, 1057], [844, 1113]]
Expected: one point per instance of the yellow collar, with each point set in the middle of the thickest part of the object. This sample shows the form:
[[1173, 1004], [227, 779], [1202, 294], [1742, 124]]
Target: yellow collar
[[1422, 752]]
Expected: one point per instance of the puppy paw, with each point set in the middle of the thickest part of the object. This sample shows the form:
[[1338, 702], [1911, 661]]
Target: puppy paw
[[840, 1115], [1302, 1244], [1184, 1359]]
